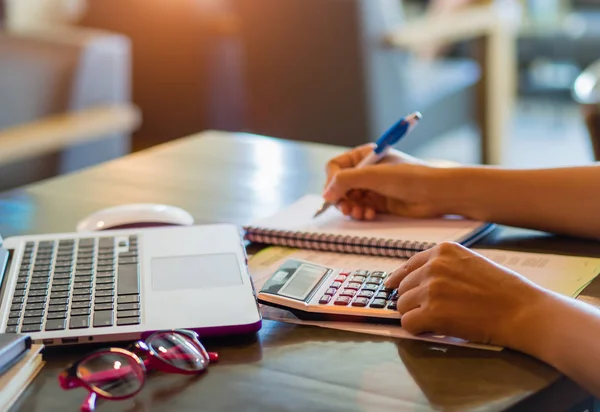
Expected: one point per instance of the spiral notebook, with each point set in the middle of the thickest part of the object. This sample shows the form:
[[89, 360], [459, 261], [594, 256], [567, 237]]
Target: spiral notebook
[[387, 235]]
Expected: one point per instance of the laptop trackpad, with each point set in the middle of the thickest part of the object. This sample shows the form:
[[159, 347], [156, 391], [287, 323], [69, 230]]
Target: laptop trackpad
[[195, 272]]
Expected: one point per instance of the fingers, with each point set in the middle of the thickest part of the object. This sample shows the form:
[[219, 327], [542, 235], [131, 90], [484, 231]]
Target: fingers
[[356, 211], [418, 321], [411, 300], [369, 177], [412, 264], [349, 159]]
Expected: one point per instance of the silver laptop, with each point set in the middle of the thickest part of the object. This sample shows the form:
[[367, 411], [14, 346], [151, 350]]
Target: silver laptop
[[119, 285]]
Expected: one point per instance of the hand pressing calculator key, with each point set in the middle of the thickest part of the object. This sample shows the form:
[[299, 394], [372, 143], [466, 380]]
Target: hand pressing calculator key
[[316, 292]]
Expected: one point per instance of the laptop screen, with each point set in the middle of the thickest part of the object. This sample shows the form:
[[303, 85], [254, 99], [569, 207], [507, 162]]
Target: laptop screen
[[5, 261]]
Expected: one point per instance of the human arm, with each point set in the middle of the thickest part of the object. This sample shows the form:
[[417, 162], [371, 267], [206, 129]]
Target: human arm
[[454, 291], [561, 200]]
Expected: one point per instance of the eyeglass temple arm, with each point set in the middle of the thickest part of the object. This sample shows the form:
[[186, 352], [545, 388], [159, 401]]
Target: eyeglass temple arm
[[89, 404]]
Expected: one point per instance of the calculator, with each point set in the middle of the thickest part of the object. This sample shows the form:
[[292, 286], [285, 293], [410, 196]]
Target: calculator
[[315, 292]]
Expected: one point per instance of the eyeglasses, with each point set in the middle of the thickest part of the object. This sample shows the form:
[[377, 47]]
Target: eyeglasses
[[117, 374]]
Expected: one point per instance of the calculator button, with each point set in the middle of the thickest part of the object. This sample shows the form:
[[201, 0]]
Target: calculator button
[[340, 278], [392, 306], [366, 294], [394, 296], [348, 292], [374, 281], [378, 303], [381, 275], [382, 295], [335, 285], [360, 302], [324, 299], [370, 287], [331, 291], [353, 285], [358, 278], [361, 272], [342, 301], [345, 272]]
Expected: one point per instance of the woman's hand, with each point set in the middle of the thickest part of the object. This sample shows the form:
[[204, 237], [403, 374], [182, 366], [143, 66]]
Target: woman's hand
[[398, 184], [451, 290]]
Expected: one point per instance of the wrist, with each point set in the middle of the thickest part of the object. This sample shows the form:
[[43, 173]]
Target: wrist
[[531, 329], [452, 191]]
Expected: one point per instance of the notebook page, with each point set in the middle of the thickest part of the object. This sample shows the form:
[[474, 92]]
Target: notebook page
[[299, 217]]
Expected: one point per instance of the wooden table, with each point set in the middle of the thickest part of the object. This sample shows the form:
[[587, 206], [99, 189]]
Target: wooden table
[[236, 178]]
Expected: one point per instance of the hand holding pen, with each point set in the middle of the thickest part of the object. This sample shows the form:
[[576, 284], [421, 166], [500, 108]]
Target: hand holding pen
[[383, 144]]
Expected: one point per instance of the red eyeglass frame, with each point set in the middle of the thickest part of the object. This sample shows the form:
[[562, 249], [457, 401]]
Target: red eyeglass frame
[[70, 379]]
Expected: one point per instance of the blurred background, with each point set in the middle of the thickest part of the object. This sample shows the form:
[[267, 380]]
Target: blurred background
[[510, 82]]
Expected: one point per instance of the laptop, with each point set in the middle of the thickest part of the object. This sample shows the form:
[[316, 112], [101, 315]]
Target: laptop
[[75, 288]]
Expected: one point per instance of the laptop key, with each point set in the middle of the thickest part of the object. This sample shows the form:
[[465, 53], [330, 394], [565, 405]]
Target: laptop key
[[32, 321], [128, 306], [79, 322], [37, 313], [55, 324], [128, 314], [128, 299], [57, 315], [128, 282], [80, 305], [31, 328], [35, 306], [103, 318], [103, 280], [105, 286], [18, 299], [57, 308], [103, 306], [128, 321], [80, 311]]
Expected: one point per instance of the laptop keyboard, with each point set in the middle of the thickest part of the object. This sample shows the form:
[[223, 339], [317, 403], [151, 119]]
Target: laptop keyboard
[[76, 284]]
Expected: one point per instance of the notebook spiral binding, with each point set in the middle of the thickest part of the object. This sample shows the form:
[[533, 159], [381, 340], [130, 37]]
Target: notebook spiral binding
[[337, 243]]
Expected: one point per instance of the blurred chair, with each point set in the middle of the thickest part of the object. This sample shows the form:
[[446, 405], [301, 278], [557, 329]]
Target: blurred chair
[[65, 101], [342, 71], [586, 91]]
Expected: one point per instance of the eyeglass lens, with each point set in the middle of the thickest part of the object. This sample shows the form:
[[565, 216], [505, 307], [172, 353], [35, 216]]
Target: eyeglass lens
[[114, 373], [179, 351]]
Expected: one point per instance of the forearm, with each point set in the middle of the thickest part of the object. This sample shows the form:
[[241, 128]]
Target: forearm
[[564, 333], [560, 200]]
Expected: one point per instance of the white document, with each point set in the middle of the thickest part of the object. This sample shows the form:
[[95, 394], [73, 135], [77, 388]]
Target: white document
[[564, 274]]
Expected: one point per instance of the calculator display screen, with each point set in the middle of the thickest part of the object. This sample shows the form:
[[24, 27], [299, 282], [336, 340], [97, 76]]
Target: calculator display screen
[[295, 279], [303, 281]]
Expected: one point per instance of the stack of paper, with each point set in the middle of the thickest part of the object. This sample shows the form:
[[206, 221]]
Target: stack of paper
[[567, 275], [16, 379]]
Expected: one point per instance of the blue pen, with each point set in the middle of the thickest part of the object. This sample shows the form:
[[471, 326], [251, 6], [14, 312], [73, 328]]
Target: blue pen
[[383, 144]]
